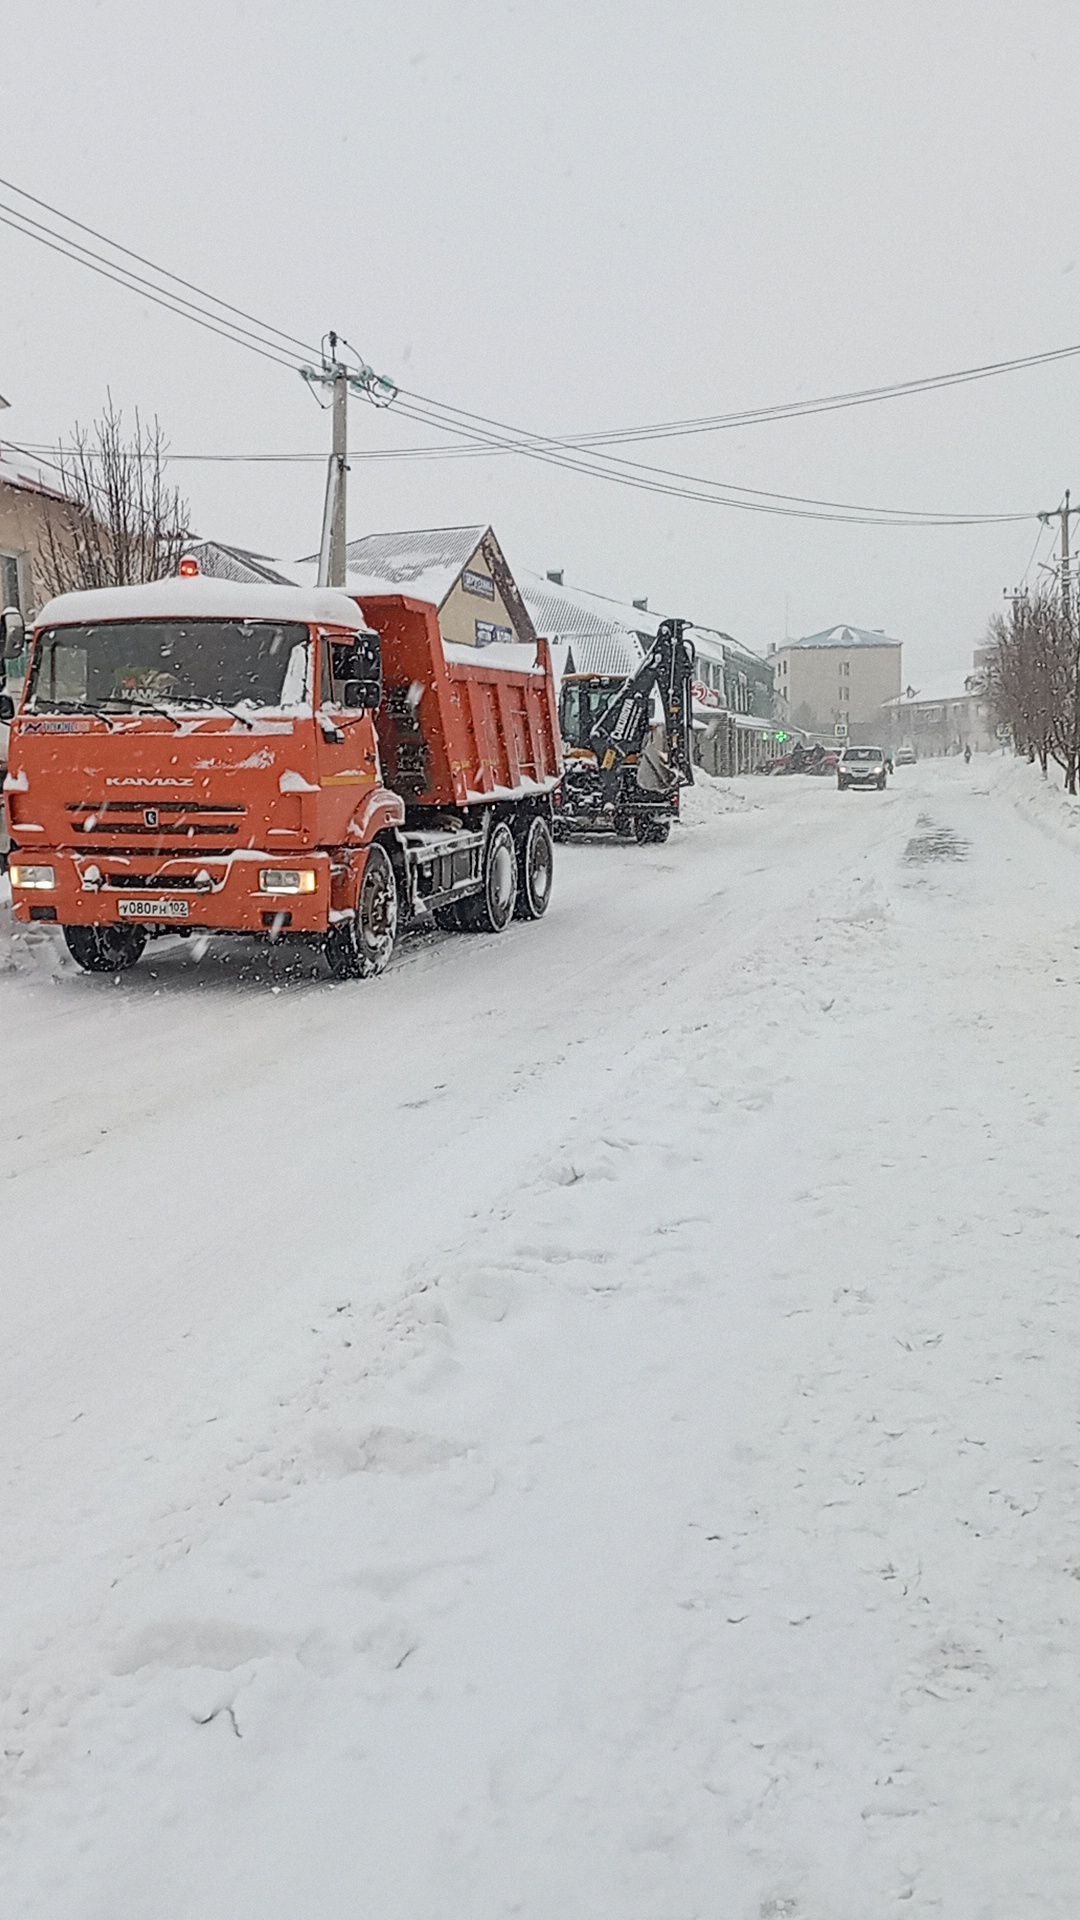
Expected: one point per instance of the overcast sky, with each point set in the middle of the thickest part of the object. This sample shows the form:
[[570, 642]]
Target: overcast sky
[[579, 214]]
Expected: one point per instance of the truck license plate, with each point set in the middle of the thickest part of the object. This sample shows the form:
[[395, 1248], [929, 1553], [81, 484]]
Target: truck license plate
[[154, 909]]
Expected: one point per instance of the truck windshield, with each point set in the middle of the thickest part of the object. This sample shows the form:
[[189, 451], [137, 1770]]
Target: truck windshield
[[580, 706], [145, 663]]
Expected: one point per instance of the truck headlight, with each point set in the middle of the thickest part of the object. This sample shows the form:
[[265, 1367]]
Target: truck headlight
[[37, 879], [287, 880]]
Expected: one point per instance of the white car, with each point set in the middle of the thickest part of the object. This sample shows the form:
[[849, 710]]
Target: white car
[[862, 767]]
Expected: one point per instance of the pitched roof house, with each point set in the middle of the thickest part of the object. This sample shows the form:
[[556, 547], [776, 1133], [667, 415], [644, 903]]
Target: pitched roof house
[[460, 570]]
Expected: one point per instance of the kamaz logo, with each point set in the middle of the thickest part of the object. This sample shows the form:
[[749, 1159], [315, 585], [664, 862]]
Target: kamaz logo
[[151, 816]]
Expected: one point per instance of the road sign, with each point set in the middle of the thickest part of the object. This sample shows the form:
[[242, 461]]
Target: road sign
[[840, 729]]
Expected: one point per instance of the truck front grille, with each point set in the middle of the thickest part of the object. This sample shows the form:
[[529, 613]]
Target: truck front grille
[[179, 824]]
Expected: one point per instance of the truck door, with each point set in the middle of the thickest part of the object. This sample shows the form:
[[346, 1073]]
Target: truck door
[[345, 734]]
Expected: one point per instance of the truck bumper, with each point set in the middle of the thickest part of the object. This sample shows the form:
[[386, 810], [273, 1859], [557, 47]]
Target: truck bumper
[[223, 895]]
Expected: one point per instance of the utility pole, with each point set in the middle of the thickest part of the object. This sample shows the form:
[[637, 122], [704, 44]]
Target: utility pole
[[342, 380], [1063, 514], [339, 467]]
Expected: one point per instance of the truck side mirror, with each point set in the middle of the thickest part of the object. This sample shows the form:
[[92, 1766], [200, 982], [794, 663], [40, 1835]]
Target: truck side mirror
[[12, 632], [12, 638], [358, 671]]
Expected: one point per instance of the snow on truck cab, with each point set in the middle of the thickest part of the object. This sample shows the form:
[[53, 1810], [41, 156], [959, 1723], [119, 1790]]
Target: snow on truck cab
[[197, 754]]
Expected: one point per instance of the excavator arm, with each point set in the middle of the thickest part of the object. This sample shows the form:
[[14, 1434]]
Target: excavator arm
[[622, 729]]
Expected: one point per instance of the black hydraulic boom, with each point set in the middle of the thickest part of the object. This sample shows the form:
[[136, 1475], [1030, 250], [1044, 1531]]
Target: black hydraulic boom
[[622, 729]]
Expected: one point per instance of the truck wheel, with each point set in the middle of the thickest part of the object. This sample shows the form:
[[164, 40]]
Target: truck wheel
[[649, 831], [535, 870], [360, 946], [492, 909], [105, 949]]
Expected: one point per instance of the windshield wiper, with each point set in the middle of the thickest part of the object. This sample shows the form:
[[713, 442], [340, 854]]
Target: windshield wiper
[[132, 706], [222, 706], [70, 706]]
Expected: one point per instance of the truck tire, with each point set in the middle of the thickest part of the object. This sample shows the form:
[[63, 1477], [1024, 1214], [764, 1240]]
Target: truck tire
[[649, 831], [359, 947], [105, 949], [492, 909], [535, 870]]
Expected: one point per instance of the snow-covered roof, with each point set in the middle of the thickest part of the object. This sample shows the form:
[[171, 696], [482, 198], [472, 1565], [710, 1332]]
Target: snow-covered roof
[[614, 652], [424, 563], [19, 470], [845, 636], [576, 613], [598, 641], [222, 562], [940, 692], [202, 599]]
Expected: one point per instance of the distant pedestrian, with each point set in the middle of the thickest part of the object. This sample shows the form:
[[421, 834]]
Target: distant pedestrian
[[967, 756]]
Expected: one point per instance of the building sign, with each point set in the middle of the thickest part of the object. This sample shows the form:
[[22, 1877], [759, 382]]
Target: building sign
[[479, 583], [487, 634], [704, 696]]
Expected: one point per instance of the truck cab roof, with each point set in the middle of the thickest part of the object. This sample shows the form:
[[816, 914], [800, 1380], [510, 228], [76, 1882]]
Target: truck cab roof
[[203, 599]]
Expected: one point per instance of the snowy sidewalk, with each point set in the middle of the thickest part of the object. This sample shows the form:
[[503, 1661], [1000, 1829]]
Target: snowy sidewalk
[[692, 1531]]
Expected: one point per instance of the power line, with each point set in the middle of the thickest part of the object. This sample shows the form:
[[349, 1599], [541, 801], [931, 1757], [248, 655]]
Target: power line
[[553, 453], [867, 516], [1031, 562], [157, 298], [574, 453], [861, 396], [164, 272], [691, 485], [912, 514]]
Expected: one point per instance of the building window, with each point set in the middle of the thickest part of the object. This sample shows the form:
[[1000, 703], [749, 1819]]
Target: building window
[[845, 693], [845, 667], [11, 580]]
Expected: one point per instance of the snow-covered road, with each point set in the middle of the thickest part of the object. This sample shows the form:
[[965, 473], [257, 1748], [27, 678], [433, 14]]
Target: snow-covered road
[[582, 1428]]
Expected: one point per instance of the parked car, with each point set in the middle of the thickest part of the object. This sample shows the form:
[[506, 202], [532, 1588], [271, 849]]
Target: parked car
[[862, 767], [906, 756]]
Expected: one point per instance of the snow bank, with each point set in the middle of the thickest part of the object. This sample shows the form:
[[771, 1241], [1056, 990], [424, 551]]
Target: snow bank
[[709, 797], [1041, 798]]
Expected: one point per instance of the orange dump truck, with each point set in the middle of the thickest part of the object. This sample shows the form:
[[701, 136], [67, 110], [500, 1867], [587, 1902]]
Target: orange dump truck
[[197, 754]]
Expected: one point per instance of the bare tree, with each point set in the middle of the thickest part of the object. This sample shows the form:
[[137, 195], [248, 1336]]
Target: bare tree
[[1034, 680], [123, 523]]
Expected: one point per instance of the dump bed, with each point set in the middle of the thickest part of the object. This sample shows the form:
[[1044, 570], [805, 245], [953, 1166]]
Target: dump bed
[[461, 725]]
